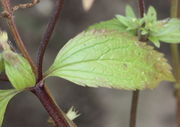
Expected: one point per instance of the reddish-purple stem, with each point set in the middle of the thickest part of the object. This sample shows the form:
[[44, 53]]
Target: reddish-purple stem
[[50, 106], [134, 105], [39, 90], [47, 35], [141, 7], [135, 96], [3, 78]]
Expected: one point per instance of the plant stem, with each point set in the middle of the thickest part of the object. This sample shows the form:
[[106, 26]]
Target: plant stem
[[176, 62], [12, 26], [40, 91], [141, 7], [50, 106], [3, 78], [134, 106], [47, 35], [26, 5], [174, 47], [135, 95]]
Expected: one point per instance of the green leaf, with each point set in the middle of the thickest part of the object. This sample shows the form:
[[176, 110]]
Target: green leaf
[[5, 97], [171, 37], [151, 15], [124, 20], [169, 32], [18, 70], [130, 12], [117, 25], [110, 59], [154, 40], [113, 24]]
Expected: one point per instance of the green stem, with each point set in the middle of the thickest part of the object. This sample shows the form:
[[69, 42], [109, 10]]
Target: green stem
[[175, 61]]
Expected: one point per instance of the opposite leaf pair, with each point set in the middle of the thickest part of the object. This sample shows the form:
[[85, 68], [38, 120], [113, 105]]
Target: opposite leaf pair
[[105, 55]]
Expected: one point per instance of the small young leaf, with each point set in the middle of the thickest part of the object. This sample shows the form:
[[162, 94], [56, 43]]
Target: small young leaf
[[113, 24], [129, 23], [110, 59], [151, 14], [154, 40], [171, 37], [5, 97], [169, 32], [18, 70], [117, 25], [124, 20], [130, 12]]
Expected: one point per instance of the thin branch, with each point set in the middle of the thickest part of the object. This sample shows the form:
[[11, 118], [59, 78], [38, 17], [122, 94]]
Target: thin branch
[[176, 61], [4, 78], [12, 26], [26, 5], [141, 7], [47, 35], [135, 96], [20, 6], [174, 47]]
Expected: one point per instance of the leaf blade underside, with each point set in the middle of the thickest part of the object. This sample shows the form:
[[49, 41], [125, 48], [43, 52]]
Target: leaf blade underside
[[104, 58], [5, 97], [18, 70]]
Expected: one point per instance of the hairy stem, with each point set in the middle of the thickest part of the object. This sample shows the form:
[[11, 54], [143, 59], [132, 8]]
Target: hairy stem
[[47, 35], [50, 106], [12, 26], [175, 61], [135, 95]]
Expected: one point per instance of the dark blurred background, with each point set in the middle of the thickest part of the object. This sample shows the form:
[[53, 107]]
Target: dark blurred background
[[98, 107]]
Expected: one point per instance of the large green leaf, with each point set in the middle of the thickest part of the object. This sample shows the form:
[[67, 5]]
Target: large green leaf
[[5, 97], [110, 59], [18, 70]]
